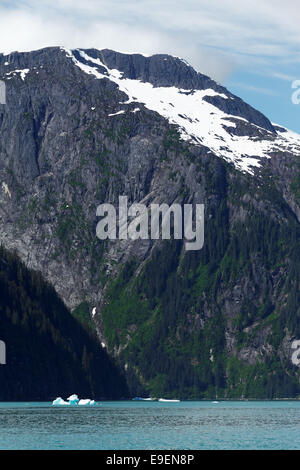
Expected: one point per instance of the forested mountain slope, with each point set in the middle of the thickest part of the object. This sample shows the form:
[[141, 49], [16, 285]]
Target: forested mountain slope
[[83, 127], [48, 353]]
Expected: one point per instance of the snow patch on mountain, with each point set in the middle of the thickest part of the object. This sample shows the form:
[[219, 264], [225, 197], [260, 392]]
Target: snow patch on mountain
[[118, 112], [22, 73], [199, 121]]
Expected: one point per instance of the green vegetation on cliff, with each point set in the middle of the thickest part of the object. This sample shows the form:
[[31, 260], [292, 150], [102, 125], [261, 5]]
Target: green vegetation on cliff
[[49, 353], [213, 322]]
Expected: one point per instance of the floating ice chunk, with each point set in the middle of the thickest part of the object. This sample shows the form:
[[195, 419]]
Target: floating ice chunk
[[143, 399], [168, 401], [60, 401], [73, 399], [86, 402]]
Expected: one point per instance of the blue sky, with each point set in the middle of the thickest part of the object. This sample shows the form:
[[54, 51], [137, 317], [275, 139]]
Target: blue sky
[[271, 95], [252, 47]]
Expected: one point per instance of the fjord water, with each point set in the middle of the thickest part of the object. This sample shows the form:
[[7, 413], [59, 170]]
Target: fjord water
[[152, 425]]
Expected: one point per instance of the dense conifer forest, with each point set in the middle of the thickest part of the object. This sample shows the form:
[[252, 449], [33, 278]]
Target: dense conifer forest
[[48, 352]]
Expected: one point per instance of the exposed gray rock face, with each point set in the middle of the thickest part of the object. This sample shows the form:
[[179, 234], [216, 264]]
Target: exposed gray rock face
[[166, 71], [64, 150]]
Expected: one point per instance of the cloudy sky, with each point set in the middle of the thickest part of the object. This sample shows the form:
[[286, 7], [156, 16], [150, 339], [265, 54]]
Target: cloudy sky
[[252, 47]]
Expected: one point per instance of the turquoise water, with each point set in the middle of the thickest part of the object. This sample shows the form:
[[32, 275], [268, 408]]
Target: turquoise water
[[154, 425]]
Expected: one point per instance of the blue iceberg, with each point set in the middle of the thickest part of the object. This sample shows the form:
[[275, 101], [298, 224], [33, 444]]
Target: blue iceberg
[[60, 401], [73, 400], [87, 401]]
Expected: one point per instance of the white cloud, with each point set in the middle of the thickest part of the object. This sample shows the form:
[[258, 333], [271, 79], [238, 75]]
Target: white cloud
[[283, 76], [256, 89], [213, 36]]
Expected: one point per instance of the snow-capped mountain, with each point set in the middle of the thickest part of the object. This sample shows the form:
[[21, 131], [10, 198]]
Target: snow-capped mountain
[[204, 111], [231, 130], [83, 127]]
